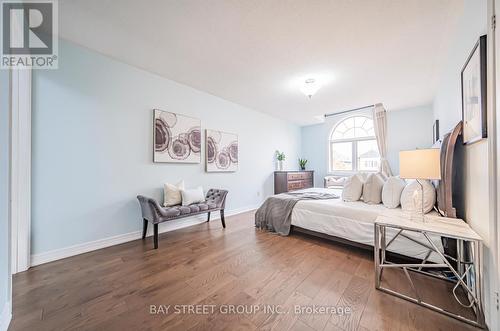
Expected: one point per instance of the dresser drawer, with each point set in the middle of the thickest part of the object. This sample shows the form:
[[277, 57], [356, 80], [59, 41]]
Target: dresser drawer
[[299, 184], [299, 175]]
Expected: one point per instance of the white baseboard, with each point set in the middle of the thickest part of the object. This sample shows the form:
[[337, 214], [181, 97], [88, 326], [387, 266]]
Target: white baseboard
[[57, 254], [5, 317]]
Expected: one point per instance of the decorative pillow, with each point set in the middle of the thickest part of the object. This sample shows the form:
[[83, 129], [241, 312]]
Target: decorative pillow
[[391, 193], [372, 189], [172, 194], [353, 188], [193, 195], [363, 176], [335, 181], [411, 198]]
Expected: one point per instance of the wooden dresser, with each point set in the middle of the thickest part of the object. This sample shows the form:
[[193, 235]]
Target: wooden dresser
[[285, 181]]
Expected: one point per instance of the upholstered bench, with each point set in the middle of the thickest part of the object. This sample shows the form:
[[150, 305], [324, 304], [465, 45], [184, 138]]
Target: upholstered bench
[[153, 212]]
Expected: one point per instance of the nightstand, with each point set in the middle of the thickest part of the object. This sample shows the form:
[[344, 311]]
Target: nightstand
[[465, 268]]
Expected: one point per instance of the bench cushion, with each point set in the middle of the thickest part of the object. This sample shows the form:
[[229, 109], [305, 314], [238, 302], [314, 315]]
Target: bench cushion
[[191, 209], [171, 211]]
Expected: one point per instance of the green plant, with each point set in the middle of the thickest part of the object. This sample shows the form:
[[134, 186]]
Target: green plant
[[280, 156], [302, 163]]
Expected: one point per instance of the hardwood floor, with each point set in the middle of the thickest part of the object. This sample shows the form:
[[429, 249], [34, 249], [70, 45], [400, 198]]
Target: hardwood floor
[[114, 288]]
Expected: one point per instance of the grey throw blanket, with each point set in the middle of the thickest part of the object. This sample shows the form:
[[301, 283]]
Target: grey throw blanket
[[275, 214]]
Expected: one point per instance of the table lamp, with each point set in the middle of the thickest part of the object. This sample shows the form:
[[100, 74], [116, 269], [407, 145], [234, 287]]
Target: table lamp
[[420, 164]]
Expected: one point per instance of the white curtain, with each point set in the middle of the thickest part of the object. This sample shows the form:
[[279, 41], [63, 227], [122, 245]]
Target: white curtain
[[380, 125]]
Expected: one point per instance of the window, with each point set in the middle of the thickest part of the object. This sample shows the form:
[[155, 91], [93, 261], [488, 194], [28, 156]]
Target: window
[[353, 146]]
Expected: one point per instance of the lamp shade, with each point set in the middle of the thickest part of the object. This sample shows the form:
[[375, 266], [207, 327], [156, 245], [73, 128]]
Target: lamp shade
[[420, 164]]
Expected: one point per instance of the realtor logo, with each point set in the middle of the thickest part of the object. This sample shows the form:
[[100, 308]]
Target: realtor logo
[[29, 37]]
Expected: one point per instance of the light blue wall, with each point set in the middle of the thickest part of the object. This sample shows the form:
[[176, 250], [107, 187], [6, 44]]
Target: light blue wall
[[315, 150], [407, 129], [4, 191], [92, 147], [472, 23]]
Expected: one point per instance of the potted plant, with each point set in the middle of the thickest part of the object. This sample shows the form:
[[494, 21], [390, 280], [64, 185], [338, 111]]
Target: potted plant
[[280, 156], [302, 164]]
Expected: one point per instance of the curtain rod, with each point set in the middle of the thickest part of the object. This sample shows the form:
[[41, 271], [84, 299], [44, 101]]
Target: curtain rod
[[348, 111]]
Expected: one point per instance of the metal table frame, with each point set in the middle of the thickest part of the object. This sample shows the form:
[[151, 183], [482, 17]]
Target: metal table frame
[[465, 268]]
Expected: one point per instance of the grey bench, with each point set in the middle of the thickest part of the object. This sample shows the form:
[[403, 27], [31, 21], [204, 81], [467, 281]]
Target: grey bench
[[153, 212]]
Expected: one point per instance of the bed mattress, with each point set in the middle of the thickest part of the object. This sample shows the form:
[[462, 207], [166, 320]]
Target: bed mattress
[[354, 221]]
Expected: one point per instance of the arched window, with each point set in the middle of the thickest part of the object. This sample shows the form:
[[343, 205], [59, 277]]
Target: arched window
[[353, 146]]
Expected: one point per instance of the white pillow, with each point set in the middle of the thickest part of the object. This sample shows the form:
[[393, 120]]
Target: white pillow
[[353, 188], [193, 195], [363, 176], [372, 189], [172, 194], [411, 198], [391, 193]]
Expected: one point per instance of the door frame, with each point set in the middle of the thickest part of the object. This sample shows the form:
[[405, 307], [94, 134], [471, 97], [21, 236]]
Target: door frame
[[20, 176], [494, 160]]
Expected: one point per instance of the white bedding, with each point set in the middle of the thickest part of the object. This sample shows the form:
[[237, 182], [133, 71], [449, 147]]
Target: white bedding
[[355, 221]]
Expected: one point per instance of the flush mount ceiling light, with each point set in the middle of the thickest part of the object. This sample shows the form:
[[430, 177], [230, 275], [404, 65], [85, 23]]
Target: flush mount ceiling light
[[310, 87]]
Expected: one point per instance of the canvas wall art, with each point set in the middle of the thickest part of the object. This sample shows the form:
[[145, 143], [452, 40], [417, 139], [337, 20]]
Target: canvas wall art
[[474, 94], [177, 138], [221, 151]]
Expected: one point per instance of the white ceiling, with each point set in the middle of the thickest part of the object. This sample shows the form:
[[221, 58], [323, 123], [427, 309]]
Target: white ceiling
[[257, 52]]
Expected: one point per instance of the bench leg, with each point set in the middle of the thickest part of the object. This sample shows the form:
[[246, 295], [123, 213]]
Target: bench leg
[[144, 228], [208, 217], [223, 221], [155, 236]]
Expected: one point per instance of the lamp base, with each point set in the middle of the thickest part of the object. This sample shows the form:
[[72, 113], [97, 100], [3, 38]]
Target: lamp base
[[422, 214]]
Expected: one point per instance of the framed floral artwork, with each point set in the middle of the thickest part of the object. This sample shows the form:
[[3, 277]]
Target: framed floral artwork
[[177, 138], [221, 151]]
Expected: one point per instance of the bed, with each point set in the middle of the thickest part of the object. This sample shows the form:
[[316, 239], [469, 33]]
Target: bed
[[353, 222]]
